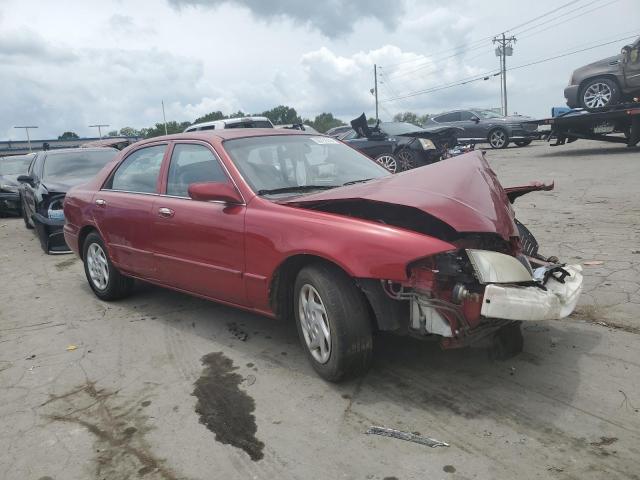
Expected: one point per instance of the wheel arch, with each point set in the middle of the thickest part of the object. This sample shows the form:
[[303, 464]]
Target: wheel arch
[[608, 76], [82, 236], [283, 280]]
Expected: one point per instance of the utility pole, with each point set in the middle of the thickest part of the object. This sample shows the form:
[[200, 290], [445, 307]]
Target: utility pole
[[99, 128], [375, 87], [504, 50], [164, 117], [27, 130]]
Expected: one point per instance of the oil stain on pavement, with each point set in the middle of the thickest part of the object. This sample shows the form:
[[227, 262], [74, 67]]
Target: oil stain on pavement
[[224, 408]]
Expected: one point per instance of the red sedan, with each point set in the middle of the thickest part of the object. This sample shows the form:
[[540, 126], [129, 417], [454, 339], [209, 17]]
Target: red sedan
[[300, 226]]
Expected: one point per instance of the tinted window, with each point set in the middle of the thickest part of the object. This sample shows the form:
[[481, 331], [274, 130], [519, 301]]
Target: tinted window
[[250, 124], [208, 127], [17, 165], [139, 171], [80, 164], [488, 114], [466, 116], [448, 117], [192, 164]]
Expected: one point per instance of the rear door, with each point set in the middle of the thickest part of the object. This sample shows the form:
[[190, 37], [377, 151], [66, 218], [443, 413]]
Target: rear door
[[124, 206], [28, 191], [472, 129], [198, 245]]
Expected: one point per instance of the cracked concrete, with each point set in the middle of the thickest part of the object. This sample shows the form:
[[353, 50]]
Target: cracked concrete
[[121, 404]]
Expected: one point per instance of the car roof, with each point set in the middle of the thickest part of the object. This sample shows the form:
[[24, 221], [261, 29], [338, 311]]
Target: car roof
[[77, 149], [228, 121], [227, 134]]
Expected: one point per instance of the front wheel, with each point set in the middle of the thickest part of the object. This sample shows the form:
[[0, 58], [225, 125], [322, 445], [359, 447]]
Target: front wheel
[[104, 279], [333, 322], [498, 138], [523, 143]]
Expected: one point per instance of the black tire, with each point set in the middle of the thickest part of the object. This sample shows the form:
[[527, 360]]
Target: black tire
[[27, 224], [407, 160], [349, 322], [523, 143], [498, 138], [118, 286], [507, 342], [606, 86]]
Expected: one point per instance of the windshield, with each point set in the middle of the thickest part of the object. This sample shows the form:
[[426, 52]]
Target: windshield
[[487, 114], [81, 164], [251, 124], [17, 165], [399, 128], [299, 162]]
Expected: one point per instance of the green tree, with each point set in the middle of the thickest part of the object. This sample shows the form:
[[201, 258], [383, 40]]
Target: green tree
[[158, 129], [325, 121], [112, 133], [282, 115], [129, 132], [210, 117], [411, 117], [68, 136]]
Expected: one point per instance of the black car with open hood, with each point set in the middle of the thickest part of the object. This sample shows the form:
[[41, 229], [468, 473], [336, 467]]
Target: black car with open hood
[[51, 174], [400, 146], [10, 169]]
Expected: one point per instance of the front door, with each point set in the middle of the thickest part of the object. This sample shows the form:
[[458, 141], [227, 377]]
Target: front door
[[123, 210], [198, 245], [632, 67]]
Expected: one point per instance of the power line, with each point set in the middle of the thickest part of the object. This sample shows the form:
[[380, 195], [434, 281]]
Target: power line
[[533, 27], [542, 16]]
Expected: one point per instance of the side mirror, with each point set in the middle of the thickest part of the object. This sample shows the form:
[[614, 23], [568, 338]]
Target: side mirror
[[475, 119], [26, 179], [215, 192]]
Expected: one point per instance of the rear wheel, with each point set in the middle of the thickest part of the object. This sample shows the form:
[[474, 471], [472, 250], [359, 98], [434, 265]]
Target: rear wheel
[[522, 143], [104, 279], [408, 159], [599, 92], [498, 138], [388, 161], [333, 322]]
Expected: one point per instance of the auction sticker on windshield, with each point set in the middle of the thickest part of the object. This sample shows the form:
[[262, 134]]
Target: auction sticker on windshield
[[324, 140]]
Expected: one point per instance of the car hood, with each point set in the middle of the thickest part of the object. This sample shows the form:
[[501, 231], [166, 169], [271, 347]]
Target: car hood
[[462, 192]]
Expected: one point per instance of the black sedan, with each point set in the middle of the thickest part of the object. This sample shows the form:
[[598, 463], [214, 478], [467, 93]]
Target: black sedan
[[43, 189], [10, 169], [400, 146]]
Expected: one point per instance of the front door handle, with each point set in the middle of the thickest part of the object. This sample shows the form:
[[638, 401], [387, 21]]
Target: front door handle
[[165, 212], [100, 202]]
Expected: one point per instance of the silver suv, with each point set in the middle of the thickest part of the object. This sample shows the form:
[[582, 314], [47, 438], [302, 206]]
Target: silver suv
[[606, 82]]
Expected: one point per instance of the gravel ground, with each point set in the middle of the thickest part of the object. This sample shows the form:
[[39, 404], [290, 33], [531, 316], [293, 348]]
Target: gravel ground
[[141, 394]]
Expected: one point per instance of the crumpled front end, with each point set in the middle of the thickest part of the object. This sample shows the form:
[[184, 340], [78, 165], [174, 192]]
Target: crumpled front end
[[469, 294]]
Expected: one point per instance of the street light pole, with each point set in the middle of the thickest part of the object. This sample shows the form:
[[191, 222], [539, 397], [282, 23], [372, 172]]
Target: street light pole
[[375, 86], [504, 50], [99, 128], [28, 137]]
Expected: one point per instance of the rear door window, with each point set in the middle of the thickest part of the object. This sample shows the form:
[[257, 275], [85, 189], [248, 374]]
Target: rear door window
[[139, 171], [448, 117], [191, 163]]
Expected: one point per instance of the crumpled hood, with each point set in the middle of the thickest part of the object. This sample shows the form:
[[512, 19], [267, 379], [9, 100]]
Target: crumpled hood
[[62, 185], [462, 191]]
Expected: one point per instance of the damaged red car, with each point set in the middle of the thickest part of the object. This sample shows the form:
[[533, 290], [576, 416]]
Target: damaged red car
[[304, 227]]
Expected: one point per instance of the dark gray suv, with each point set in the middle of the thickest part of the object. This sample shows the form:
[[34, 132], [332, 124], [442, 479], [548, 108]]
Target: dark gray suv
[[606, 82], [488, 126]]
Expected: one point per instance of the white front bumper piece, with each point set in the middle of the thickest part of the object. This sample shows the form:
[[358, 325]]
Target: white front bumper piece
[[553, 302]]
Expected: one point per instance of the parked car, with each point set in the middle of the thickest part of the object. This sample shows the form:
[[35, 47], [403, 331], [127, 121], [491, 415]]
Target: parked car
[[337, 131], [243, 122], [488, 126], [299, 126], [42, 191], [303, 227], [606, 82], [400, 146], [10, 169]]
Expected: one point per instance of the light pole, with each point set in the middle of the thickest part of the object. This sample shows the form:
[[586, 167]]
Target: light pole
[[27, 130], [504, 50], [99, 128]]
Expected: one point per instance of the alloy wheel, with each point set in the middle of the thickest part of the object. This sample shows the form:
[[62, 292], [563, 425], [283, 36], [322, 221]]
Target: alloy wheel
[[388, 162], [497, 138], [406, 160], [315, 323], [597, 95], [98, 266]]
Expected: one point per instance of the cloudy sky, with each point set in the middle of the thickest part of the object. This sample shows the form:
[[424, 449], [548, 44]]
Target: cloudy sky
[[67, 64]]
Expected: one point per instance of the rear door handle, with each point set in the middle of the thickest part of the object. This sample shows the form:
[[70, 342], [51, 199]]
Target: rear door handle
[[165, 212], [100, 202]]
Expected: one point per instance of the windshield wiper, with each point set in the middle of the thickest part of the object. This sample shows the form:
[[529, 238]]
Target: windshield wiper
[[352, 182], [297, 188]]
